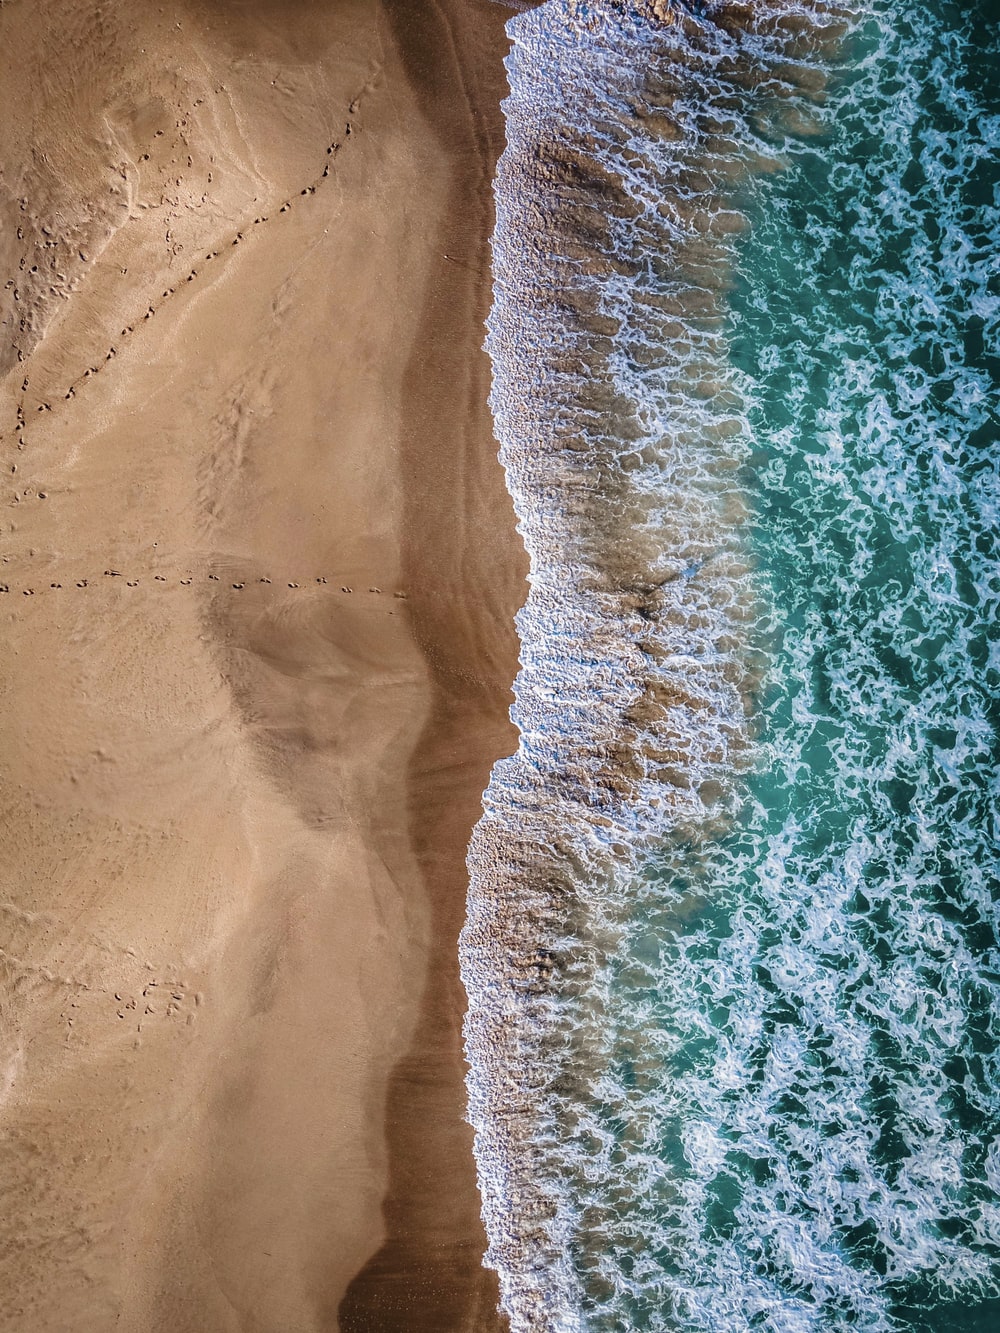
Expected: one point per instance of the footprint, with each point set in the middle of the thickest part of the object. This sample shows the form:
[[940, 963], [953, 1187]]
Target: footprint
[[346, 589], [293, 585], [263, 580], [238, 586]]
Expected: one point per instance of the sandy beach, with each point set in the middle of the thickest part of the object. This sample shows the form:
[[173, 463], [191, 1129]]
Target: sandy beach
[[258, 576]]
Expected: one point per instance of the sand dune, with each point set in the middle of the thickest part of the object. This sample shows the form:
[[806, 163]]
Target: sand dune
[[258, 573]]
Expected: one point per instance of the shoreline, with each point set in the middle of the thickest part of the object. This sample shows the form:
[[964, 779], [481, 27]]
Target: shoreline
[[413, 1281]]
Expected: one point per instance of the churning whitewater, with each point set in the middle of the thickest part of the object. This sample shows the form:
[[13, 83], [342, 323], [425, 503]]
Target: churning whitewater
[[732, 941]]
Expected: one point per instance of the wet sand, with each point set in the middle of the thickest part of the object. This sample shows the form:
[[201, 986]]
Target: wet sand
[[259, 569]]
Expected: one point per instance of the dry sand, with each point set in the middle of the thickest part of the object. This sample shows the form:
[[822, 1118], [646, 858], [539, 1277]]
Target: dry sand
[[260, 569]]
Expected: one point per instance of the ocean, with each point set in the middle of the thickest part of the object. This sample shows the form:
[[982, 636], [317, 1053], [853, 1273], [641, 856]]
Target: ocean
[[733, 941]]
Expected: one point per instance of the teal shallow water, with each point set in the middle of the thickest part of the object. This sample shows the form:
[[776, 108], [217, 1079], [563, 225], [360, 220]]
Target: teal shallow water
[[867, 323], [830, 1013], [777, 1097]]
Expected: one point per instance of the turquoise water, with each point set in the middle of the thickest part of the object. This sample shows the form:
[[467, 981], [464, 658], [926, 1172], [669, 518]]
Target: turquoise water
[[774, 1091], [829, 1007], [867, 322]]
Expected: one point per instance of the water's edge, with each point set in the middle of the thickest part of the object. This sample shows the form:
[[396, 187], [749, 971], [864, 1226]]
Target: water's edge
[[622, 430]]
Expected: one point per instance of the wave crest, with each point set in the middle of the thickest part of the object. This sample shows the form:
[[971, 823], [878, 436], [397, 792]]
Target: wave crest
[[622, 433]]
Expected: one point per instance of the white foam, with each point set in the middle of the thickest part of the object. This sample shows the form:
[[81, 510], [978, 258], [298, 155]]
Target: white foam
[[736, 1103], [621, 428]]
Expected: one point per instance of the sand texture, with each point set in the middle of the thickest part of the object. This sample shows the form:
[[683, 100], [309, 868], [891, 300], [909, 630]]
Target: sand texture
[[259, 570]]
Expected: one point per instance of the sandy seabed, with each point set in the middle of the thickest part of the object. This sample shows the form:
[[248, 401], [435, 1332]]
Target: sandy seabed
[[259, 569]]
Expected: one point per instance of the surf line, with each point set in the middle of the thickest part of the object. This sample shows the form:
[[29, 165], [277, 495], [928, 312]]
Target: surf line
[[630, 127]]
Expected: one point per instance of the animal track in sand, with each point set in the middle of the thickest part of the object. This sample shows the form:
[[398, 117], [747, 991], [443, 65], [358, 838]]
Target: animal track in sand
[[128, 331], [38, 944], [187, 579], [166, 998]]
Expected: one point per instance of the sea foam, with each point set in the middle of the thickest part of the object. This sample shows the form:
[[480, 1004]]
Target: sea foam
[[623, 430]]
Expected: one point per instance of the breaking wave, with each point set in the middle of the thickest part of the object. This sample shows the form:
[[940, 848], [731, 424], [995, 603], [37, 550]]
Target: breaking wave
[[731, 949]]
